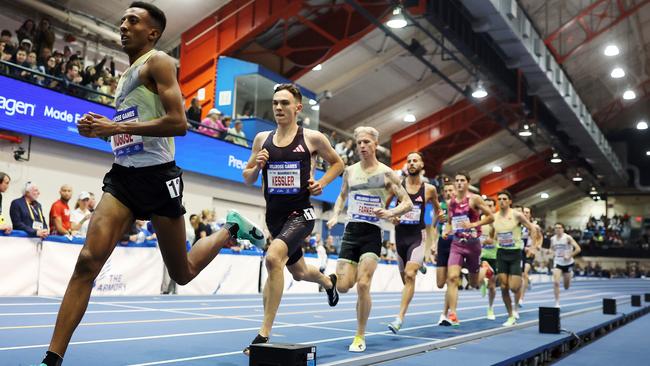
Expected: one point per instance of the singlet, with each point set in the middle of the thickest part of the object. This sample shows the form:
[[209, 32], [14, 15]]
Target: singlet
[[134, 103], [414, 219], [367, 192], [461, 212], [508, 231], [561, 247], [286, 175], [488, 251]]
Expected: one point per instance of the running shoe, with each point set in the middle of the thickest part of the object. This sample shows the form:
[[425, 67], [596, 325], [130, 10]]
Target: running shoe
[[258, 339], [521, 302], [395, 325], [515, 314], [490, 314], [510, 322], [358, 344], [557, 304], [453, 319], [333, 293], [247, 230], [443, 321], [423, 269]]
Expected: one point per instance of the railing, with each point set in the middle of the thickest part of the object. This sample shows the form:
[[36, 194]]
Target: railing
[[61, 85]]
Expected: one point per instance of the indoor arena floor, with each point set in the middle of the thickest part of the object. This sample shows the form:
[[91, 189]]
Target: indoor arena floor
[[213, 330]]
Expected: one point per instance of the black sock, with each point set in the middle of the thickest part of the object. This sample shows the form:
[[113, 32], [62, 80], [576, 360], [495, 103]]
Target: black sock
[[52, 359], [232, 228]]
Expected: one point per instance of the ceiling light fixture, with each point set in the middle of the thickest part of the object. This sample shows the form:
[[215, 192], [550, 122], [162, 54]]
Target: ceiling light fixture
[[496, 169], [593, 191], [479, 91], [525, 131], [642, 125], [556, 159], [577, 178], [397, 21], [629, 94], [312, 102], [544, 195], [409, 117], [315, 107], [617, 73], [611, 50], [318, 67]]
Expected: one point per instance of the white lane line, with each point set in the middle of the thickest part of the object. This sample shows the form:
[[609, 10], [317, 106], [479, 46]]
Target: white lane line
[[330, 339], [173, 335], [251, 317]]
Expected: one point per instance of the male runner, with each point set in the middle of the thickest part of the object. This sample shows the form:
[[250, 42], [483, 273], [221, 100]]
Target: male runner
[[465, 221], [366, 186], [444, 247], [286, 157], [144, 182], [564, 249], [489, 254], [410, 234], [530, 249], [507, 229]]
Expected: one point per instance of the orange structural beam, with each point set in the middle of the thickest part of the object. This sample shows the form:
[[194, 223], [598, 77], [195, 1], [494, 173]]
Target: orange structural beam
[[519, 176], [220, 33], [444, 134]]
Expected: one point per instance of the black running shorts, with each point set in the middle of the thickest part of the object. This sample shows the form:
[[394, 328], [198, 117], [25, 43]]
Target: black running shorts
[[152, 190], [292, 229]]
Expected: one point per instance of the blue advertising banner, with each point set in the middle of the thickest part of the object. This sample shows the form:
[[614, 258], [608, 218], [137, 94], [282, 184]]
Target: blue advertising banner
[[44, 113]]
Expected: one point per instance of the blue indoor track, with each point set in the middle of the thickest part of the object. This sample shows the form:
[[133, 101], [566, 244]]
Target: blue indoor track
[[213, 330]]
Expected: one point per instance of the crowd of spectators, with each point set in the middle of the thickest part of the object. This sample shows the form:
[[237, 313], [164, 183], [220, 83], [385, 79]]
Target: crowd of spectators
[[215, 124], [63, 70]]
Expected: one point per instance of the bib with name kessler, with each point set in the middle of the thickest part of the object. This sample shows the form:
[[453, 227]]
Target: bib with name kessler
[[283, 177], [124, 143]]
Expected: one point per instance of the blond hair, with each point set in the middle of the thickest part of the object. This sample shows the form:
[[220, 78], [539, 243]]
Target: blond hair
[[367, 129]]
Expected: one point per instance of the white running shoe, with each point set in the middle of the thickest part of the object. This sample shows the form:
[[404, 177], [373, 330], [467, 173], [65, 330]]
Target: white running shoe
[[444, 322], [358, 345]]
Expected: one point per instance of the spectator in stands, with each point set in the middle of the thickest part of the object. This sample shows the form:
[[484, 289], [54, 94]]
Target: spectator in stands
[[26, 44], [60, 213], [31, 61], [5, 37], [211, 124], [4, 185], [27, 213], [190, 232], [44, 37], [345, 151], [329, 245], [247, 111], [391, 252], [203, 226], [80, 216], [26, 31], [193, 113], [644, 240], [332, 138], [20, 59], [43, 56], [7, 54], [72, 77], [92, 202], [236, 135]]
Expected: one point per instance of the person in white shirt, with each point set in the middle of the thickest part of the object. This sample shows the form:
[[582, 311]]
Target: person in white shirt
[[80, 216], [236, 135], [564, 249]]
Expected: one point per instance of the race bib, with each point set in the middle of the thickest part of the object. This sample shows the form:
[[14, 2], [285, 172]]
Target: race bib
[[362, 207], [488, 246], [506, 240], [483, 238], [125, 144], [309, 214], [457, 221], [283, 177], [37, 225], [412, 217]]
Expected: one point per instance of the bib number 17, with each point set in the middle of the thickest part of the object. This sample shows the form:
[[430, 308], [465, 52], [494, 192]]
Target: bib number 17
[[174, 187]]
